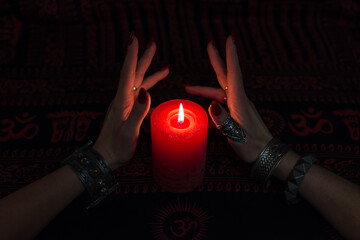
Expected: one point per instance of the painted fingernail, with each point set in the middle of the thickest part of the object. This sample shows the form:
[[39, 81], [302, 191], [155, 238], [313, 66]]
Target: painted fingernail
[[151, 41], [215, 108], [213, 43], [131, 38], [165, 67], [142, 98], [233, 38]]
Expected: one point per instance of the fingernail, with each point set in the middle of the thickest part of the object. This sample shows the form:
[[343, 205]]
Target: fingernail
[[233, 38], [215, 108], [165, 67], [131, 38], [142, 96], [213, 43], [151, 41]]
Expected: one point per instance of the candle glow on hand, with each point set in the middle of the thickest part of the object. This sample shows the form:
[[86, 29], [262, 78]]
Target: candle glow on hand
[[181, 114]]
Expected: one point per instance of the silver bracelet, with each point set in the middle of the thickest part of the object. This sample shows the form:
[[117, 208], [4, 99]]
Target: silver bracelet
[[268, 160], [94, 172], [297, 176]]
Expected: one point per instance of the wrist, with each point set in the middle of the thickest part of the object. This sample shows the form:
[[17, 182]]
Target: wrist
[[93, 171], [106, 155], [286, 165], [268, 160]]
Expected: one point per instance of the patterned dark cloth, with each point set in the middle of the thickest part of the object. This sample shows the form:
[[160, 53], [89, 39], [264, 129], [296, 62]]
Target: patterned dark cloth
[[59, 67]]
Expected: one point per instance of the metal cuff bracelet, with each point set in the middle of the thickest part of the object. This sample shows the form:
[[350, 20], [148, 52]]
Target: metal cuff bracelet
[[268, 160], [93, 171]]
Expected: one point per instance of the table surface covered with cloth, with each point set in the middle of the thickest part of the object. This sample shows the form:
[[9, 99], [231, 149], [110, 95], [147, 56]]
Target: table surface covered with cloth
[[60, 62]]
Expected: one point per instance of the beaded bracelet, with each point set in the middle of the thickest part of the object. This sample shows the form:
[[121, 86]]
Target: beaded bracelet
[[93, 171], [297, 176], [268, 160]]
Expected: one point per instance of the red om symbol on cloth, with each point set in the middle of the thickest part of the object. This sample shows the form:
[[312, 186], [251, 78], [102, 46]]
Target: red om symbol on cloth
[[301, 126], [183, 226], [19, 127]]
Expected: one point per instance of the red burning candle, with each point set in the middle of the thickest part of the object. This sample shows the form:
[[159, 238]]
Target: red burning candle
[[179, 145]]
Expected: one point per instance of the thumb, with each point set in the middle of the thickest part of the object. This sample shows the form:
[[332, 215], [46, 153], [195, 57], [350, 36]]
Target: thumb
[[140, 109], [217, 113]]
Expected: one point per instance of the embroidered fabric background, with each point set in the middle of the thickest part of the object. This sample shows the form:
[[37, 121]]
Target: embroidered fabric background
[[59, 67]]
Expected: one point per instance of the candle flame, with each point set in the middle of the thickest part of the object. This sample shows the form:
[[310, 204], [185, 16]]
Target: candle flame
[[181, 114]]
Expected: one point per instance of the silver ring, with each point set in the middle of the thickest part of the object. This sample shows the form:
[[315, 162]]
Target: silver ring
[[134, 88], [231, 129], [225, 88]]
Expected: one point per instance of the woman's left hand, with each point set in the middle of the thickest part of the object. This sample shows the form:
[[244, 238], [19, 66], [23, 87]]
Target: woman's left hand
[[119, 134]]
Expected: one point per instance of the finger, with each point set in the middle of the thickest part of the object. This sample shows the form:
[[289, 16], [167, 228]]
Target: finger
[[144, 63], [217, 113], [148, 115], [217, 63], [138, 113], [127, 76], [234, 75], [208, 92], [151, 80]]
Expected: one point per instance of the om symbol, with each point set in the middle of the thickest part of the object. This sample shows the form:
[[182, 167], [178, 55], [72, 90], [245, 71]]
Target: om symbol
[[302, 128], [180, 221], [19, 127], [183, 226]]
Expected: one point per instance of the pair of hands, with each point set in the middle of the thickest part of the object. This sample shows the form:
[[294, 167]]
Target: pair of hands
[[118, 137]]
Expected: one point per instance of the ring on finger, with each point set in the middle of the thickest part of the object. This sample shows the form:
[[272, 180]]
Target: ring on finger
[[225, 97], [134, 88], [231, 129]]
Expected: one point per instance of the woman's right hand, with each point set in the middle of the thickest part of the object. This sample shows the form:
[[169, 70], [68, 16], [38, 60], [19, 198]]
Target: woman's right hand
[[232, 93], [118, 137]]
